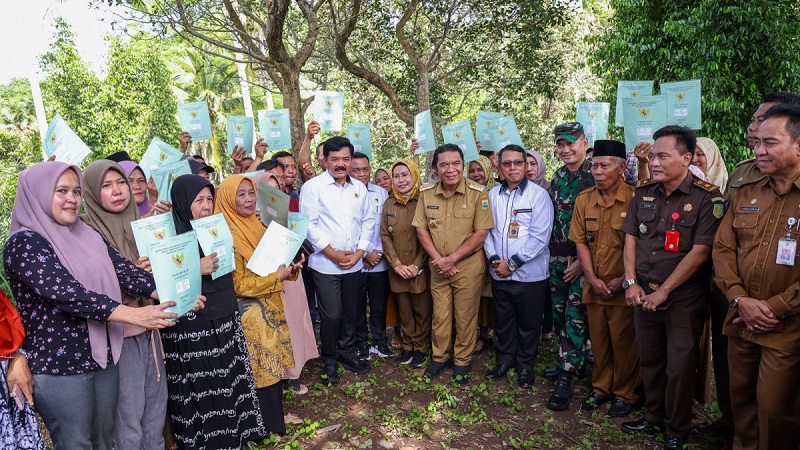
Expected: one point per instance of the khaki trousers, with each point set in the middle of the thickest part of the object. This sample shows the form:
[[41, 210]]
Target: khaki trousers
[[616, 355], [415, 311]]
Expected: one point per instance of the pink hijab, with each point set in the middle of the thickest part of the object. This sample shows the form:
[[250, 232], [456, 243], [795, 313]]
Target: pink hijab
[[79, 248], [128, 167]]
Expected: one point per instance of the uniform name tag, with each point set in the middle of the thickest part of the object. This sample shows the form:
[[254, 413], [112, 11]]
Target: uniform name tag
[[749, 209], [391, 214], [591, 219], [432, 207], [647, 205]]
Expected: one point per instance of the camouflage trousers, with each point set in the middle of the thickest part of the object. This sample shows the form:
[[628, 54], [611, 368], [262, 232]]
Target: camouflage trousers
[[569, 317]]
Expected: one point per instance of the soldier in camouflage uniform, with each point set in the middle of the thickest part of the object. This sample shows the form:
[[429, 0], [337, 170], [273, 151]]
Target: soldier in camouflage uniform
[[566, 275]]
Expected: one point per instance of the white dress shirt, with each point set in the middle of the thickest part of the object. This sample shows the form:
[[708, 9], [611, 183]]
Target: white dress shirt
[[339, 216], [531, 208], [377, 197]]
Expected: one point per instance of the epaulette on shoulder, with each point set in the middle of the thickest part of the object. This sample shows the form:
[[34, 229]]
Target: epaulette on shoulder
[[643, 183], [475, 186], [426, 186], [746, 161], [706, 186], [587, 191], [752, 180]]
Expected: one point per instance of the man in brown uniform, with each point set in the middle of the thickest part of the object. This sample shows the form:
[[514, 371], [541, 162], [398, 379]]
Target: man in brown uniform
[[596, 229], [670, 229], [453, 218], [755, 262]]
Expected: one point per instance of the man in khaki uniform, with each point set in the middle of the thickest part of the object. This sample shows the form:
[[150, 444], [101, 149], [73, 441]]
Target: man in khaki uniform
[[756, 268], [596, 229], [453, 218]]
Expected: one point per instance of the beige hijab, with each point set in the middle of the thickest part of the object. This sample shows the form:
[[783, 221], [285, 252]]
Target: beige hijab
[[716, 172]]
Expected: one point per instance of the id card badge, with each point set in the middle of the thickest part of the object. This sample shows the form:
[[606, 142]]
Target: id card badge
[[673, 236], [787, 248], [513, 230]]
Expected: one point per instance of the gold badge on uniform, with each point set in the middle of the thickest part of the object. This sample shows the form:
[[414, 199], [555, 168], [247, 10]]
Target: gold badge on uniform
[[391, 229], [463, 206], [649, 199], [433, 224], [623, 214], [753, 201], [687, 207]]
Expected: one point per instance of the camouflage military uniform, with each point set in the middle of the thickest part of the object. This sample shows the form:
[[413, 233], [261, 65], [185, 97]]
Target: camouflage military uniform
[[569, 313]]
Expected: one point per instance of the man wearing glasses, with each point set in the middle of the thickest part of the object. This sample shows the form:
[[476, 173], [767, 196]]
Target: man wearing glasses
[[518, 252], [453, 219]]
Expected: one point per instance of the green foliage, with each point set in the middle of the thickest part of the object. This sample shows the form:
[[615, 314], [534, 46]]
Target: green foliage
[[740, 49], [16, 104]]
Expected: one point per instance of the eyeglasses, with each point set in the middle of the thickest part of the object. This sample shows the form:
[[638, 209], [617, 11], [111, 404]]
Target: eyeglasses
[[518, 163]]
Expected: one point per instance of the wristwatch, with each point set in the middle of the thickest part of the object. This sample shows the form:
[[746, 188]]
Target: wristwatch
[[735, 301], [628, 283], [512, 266]]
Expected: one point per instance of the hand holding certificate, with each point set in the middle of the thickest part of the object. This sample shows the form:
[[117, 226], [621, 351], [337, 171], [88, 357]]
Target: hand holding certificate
[[359, 136], [275, 128], [176, 270], [214, 236], [643, 117], [423, 132], [485, 127], [277, 246], [630, 89], [152, 230], [240, 132], [158, 154], [328, 110], [273, 204], [194, 118], [61, 141], [460, 134], [164, 176]]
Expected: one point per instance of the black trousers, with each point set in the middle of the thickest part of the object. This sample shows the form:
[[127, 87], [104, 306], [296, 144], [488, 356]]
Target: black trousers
[[337, 296], [519, 310], [311, 292], [375, 289]]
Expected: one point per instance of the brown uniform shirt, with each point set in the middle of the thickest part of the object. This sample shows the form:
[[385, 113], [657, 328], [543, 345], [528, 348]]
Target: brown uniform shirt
[[745, 172], [600, 227], [451, 221], [401, 246], [745, 250], [700, 207]]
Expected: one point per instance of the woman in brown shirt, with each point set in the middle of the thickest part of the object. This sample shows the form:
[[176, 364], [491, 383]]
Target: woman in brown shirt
[[409, 282]]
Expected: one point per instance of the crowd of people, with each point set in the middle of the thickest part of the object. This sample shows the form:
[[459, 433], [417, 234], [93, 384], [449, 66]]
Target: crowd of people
[[641, 264]]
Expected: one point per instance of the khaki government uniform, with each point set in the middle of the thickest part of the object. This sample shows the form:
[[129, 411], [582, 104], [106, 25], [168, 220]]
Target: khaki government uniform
[[765, 382], [413, 297], [616, 356], [669, 338], [450, 222]]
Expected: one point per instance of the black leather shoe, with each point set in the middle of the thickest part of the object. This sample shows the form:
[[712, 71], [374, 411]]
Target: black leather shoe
[[675, 443], [620, 408], [498, 373], [559, 401], [356, 366], [641, 426], [436, 368], [718, 429], [404, 357], [551, 373], [461, 375], [525, 378], [594, 401], [418, 360], [329, 374]]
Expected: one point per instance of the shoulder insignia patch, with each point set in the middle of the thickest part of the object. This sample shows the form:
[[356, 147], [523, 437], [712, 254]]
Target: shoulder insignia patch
[[705, 185], [647, 182], [719, 210], [475, 186], [426, 186]]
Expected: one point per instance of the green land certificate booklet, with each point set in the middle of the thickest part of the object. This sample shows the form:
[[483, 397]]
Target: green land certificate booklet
[[485, 126], [423, 132], [151, 230], [277, 246], [194, 118], [273, 204], [505, 133], [275, 128], [61, 141], [683, 103], [240, 133], [630, 89], [594, 118], [158, 154], [460, 134], [359, 136], [643, 116], [176, 270], [214, 236], [328, 110], [298, 222], [164, 176]]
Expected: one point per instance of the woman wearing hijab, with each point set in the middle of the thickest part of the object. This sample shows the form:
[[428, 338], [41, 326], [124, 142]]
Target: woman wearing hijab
[[67, 282], [260, 300], [382, 179], [481, 171], [408, 280], [142, 380], [708, 159], [212, 400], [140, 190], [537, 172]]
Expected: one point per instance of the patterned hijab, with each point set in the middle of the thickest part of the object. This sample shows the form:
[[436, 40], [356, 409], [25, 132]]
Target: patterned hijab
[[716, 172], [488, 170], [246, 231], [414, 170], [115, 227], [128, 167], [78, 247]]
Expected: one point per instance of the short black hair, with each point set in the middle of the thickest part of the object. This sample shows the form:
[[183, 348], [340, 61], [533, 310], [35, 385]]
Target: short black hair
[[270, 164], [359, 155], [335, 144], [512, 148], [684, 137], [248, 157], [444, 149], [792, 114], [199, 157], [281, 154], [781, 97]]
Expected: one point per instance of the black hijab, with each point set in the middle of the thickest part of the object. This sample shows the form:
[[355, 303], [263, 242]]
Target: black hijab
[[220, 296]]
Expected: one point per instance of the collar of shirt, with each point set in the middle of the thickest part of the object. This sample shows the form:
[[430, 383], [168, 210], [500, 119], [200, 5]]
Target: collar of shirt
[[330, 180], [768, 179], [461, 188], [597, 196], [521, 186], [564, 172], [685, 186]]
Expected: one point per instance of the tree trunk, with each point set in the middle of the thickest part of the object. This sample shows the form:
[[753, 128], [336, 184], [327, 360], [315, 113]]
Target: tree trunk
[[293, 102]]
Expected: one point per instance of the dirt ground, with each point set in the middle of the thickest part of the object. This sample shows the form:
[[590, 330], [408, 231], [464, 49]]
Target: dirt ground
[[393, 407]]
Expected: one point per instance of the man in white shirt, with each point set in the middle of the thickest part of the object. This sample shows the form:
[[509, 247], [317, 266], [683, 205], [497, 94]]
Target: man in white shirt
[[519, 254], [376, 275], [340, 225]]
